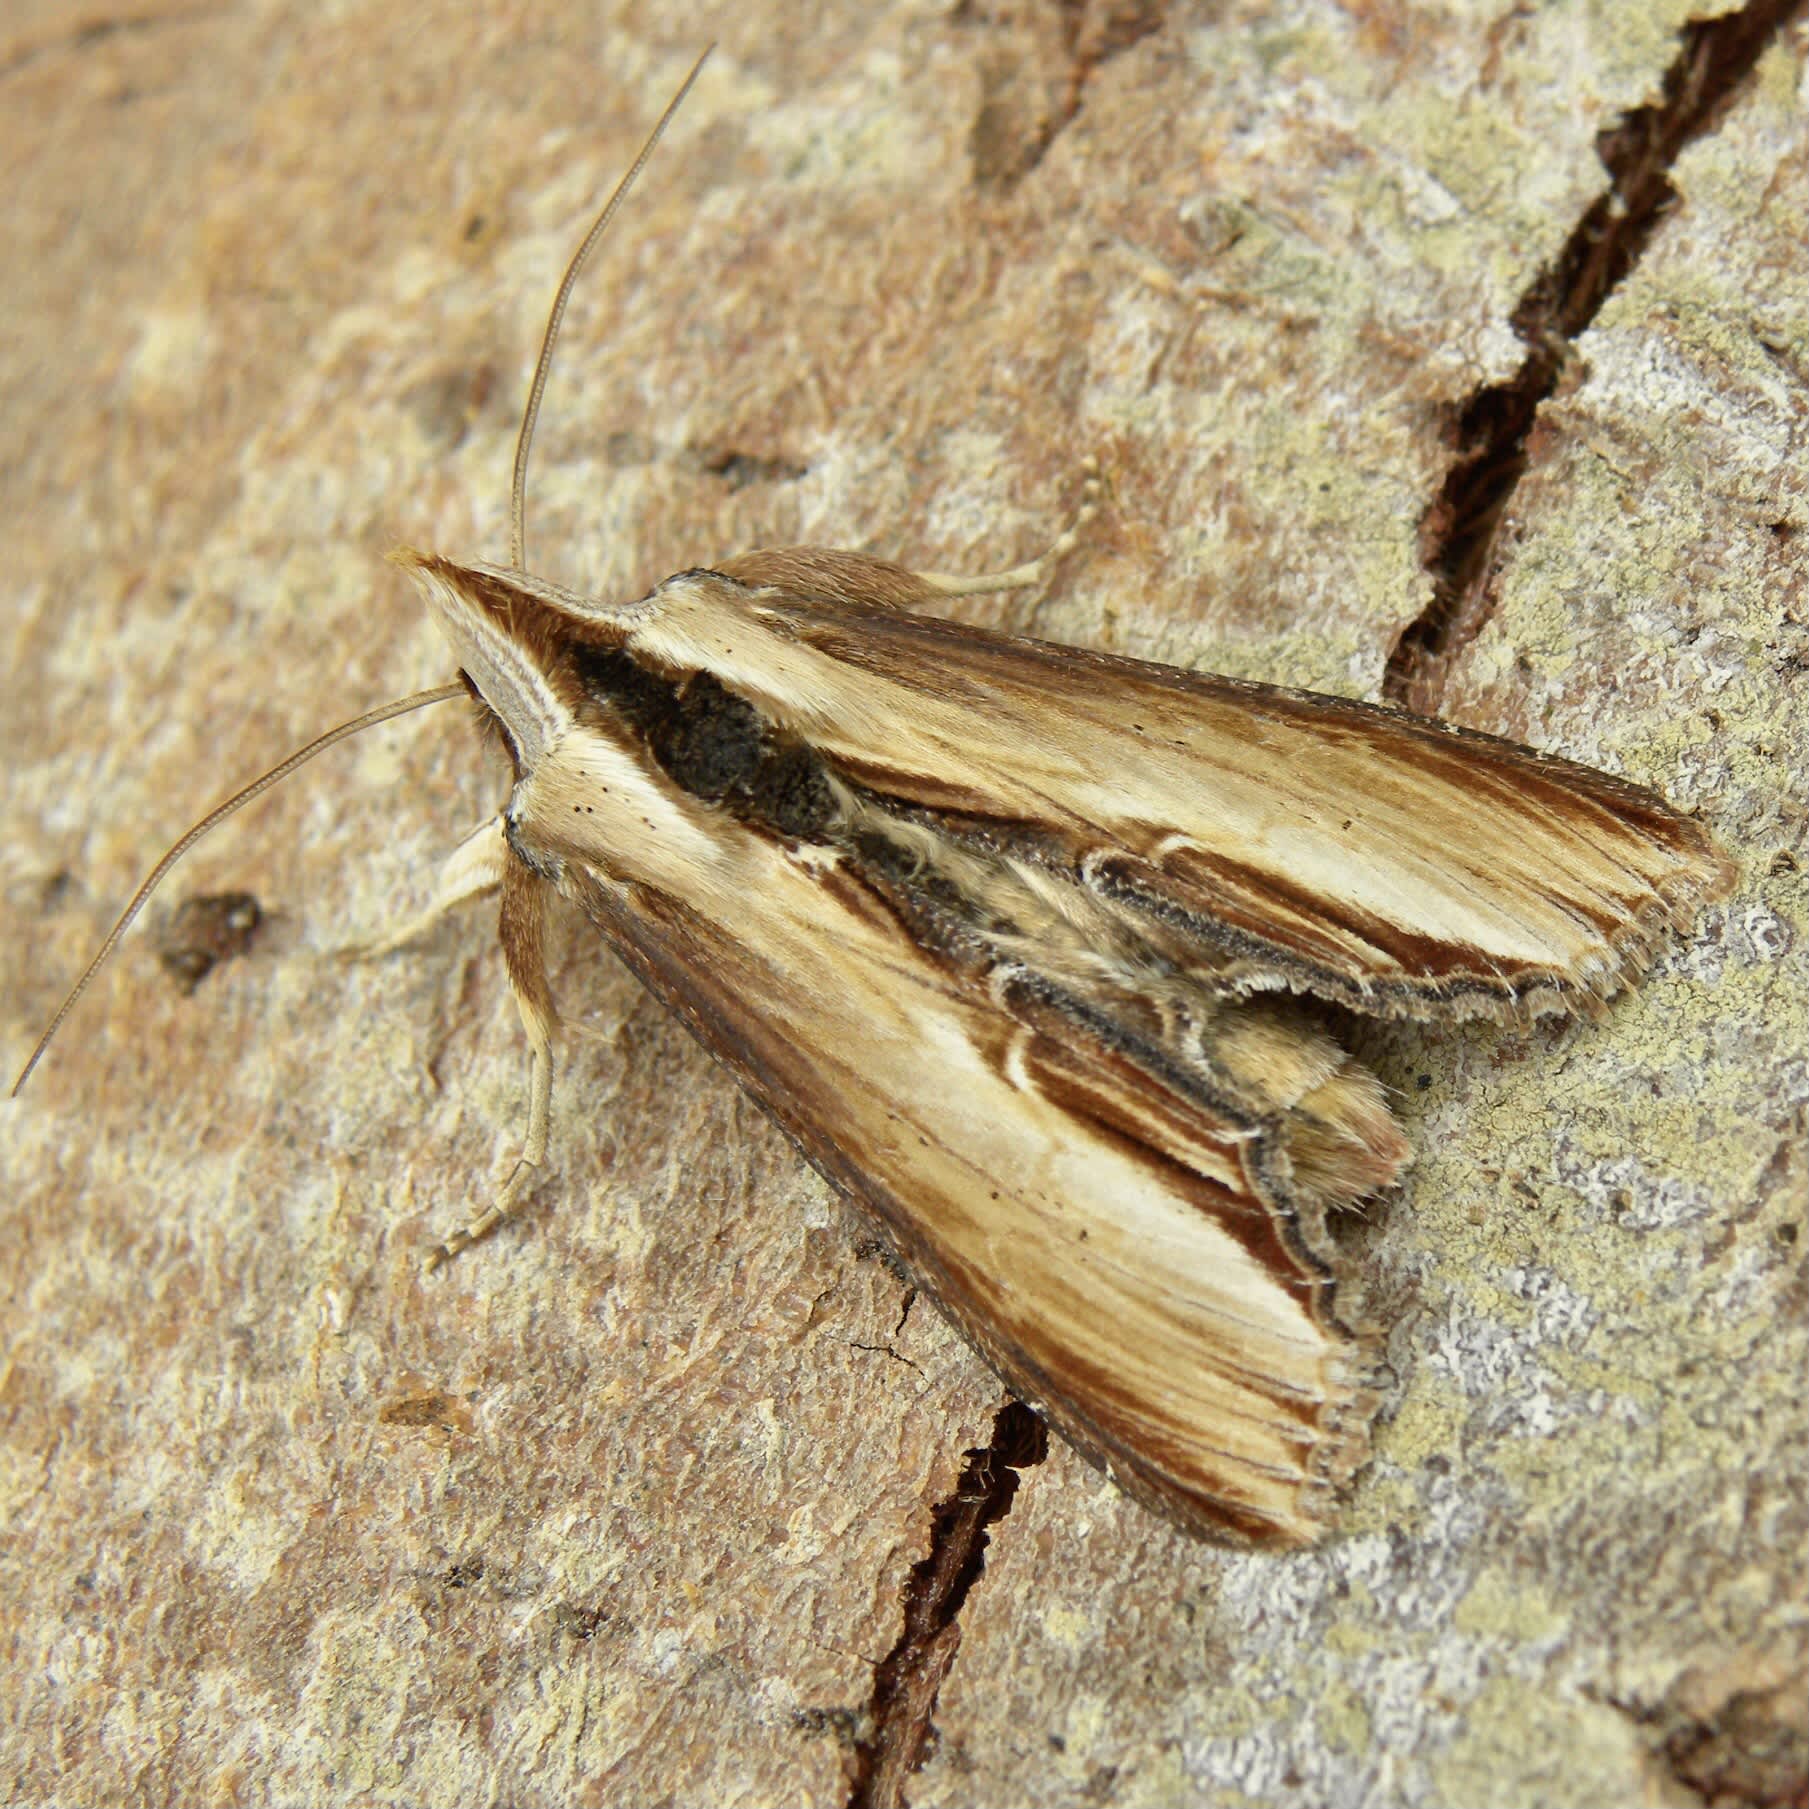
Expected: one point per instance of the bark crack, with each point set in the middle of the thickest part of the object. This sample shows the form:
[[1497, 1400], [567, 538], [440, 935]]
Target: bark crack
[[1747, 1747], [1715, 59], [910, 1676]]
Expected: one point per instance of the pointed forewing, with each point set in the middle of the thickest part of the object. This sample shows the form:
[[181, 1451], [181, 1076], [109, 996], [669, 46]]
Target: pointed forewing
[[1393, 863], [1118, 1249]]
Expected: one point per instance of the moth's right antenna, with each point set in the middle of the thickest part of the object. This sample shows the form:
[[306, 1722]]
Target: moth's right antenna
[[219, 814], [518, 494]]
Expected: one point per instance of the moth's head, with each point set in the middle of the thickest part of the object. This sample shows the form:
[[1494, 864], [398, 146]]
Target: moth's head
[[514, 639]]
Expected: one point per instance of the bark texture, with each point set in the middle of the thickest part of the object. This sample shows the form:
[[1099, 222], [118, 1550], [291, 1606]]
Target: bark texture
[[1423, 357]]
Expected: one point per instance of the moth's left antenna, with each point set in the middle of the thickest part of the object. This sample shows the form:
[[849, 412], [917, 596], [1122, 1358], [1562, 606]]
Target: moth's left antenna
[[518, 493], [419, 701]]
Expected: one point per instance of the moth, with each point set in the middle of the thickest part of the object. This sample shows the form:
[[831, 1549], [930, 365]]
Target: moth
[[1020, 944]]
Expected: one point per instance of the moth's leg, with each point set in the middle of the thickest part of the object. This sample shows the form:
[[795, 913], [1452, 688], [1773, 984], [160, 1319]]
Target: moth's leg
[[1032, 571], [524, 955], [474, 867], [861, 579]]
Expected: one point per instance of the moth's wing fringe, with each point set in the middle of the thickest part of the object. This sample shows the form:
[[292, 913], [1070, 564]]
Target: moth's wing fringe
[[1636, 946]]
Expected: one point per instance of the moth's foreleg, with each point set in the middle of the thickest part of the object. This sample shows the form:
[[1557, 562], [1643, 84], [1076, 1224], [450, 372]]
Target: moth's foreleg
[[523, 931], [473, 868]]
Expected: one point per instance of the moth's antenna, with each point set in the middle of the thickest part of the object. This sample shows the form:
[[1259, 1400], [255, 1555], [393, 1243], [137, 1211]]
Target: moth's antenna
[[419, 701], [518, 494]]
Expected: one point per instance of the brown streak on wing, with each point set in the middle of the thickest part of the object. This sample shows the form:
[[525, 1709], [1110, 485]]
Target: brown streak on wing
[[1266, 1235], [1223, 1165]]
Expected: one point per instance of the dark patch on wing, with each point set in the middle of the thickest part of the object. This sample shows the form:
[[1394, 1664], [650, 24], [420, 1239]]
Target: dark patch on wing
[[712, 744], [640, 697], [790, 790]]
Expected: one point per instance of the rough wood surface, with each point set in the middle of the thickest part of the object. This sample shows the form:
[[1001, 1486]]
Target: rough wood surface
[[626, 1506]]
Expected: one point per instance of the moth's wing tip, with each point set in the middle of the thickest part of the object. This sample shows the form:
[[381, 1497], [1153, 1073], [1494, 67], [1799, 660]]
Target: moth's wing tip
[[1309, 1508], [1704, 876], [1718, 878], [1708, 877]]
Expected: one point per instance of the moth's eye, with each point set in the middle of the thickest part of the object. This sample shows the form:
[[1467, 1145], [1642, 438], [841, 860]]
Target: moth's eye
[[491, 726]]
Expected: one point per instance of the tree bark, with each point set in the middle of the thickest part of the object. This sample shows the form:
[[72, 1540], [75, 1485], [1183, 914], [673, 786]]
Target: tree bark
[[665, 1494]]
